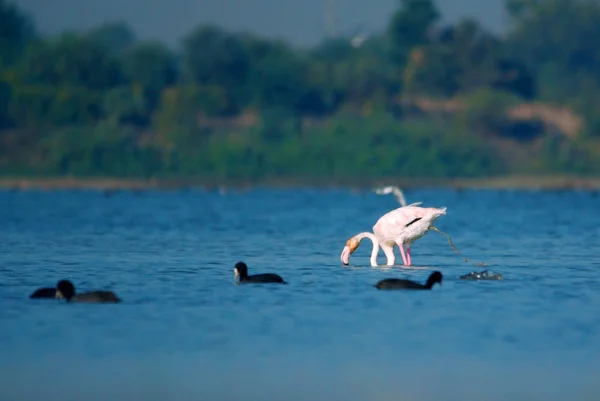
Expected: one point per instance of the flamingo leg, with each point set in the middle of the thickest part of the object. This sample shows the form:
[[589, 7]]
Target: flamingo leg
[[408, 256], [389, 254], [403, 254]]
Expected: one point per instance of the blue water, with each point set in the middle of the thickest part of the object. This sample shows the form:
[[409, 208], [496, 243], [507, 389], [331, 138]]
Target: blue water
[[186, 331]]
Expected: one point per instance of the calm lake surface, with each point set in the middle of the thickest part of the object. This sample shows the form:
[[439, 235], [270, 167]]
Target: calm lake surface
[[185, 331]]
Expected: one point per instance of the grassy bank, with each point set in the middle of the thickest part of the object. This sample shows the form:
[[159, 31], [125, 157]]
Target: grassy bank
[[107, 183]]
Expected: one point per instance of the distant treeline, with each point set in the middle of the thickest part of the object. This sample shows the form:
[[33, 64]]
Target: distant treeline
[[419, 100]]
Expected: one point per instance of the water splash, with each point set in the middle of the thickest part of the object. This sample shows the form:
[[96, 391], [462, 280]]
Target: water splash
[[482, 275]]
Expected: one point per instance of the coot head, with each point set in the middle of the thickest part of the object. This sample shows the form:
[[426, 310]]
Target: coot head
[[240, 270], [435, 277], [65, 289]]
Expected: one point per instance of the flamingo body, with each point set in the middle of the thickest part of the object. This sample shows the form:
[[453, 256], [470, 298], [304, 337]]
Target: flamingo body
[[401, 227], [406, 224]]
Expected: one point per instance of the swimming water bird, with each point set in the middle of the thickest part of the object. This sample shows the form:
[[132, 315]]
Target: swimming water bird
[[403, 284], [401, 227], [240, 272], [43, 293], [392, 189], [66, 290]]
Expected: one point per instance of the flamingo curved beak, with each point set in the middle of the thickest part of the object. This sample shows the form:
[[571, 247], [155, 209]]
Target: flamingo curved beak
[[345, 256]]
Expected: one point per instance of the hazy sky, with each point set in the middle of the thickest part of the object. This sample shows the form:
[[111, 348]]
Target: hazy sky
[[300, 21]]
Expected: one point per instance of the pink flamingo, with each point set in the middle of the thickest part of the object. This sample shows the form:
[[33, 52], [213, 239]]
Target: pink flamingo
[[402, 226]]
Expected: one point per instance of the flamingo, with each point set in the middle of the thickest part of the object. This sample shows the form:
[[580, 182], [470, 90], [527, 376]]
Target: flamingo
[[398, 194], [402, 226]]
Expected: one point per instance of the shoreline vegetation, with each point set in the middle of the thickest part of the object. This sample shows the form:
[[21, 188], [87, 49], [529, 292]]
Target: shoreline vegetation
[[108, 183], [421, 98]]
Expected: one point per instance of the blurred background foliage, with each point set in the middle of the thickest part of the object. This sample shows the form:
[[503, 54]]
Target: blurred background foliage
[[418, 100]]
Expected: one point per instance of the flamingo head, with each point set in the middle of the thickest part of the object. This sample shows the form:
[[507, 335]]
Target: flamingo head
[[351, 246], [384, 190]]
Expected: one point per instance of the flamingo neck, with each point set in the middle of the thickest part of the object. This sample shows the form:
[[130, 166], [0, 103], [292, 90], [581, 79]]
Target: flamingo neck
[[375, 242], [399, 196]]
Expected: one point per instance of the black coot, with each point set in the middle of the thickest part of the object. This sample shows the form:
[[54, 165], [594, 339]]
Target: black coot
[[403, 284], [66, 289], [44, 293], [240, 272]]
